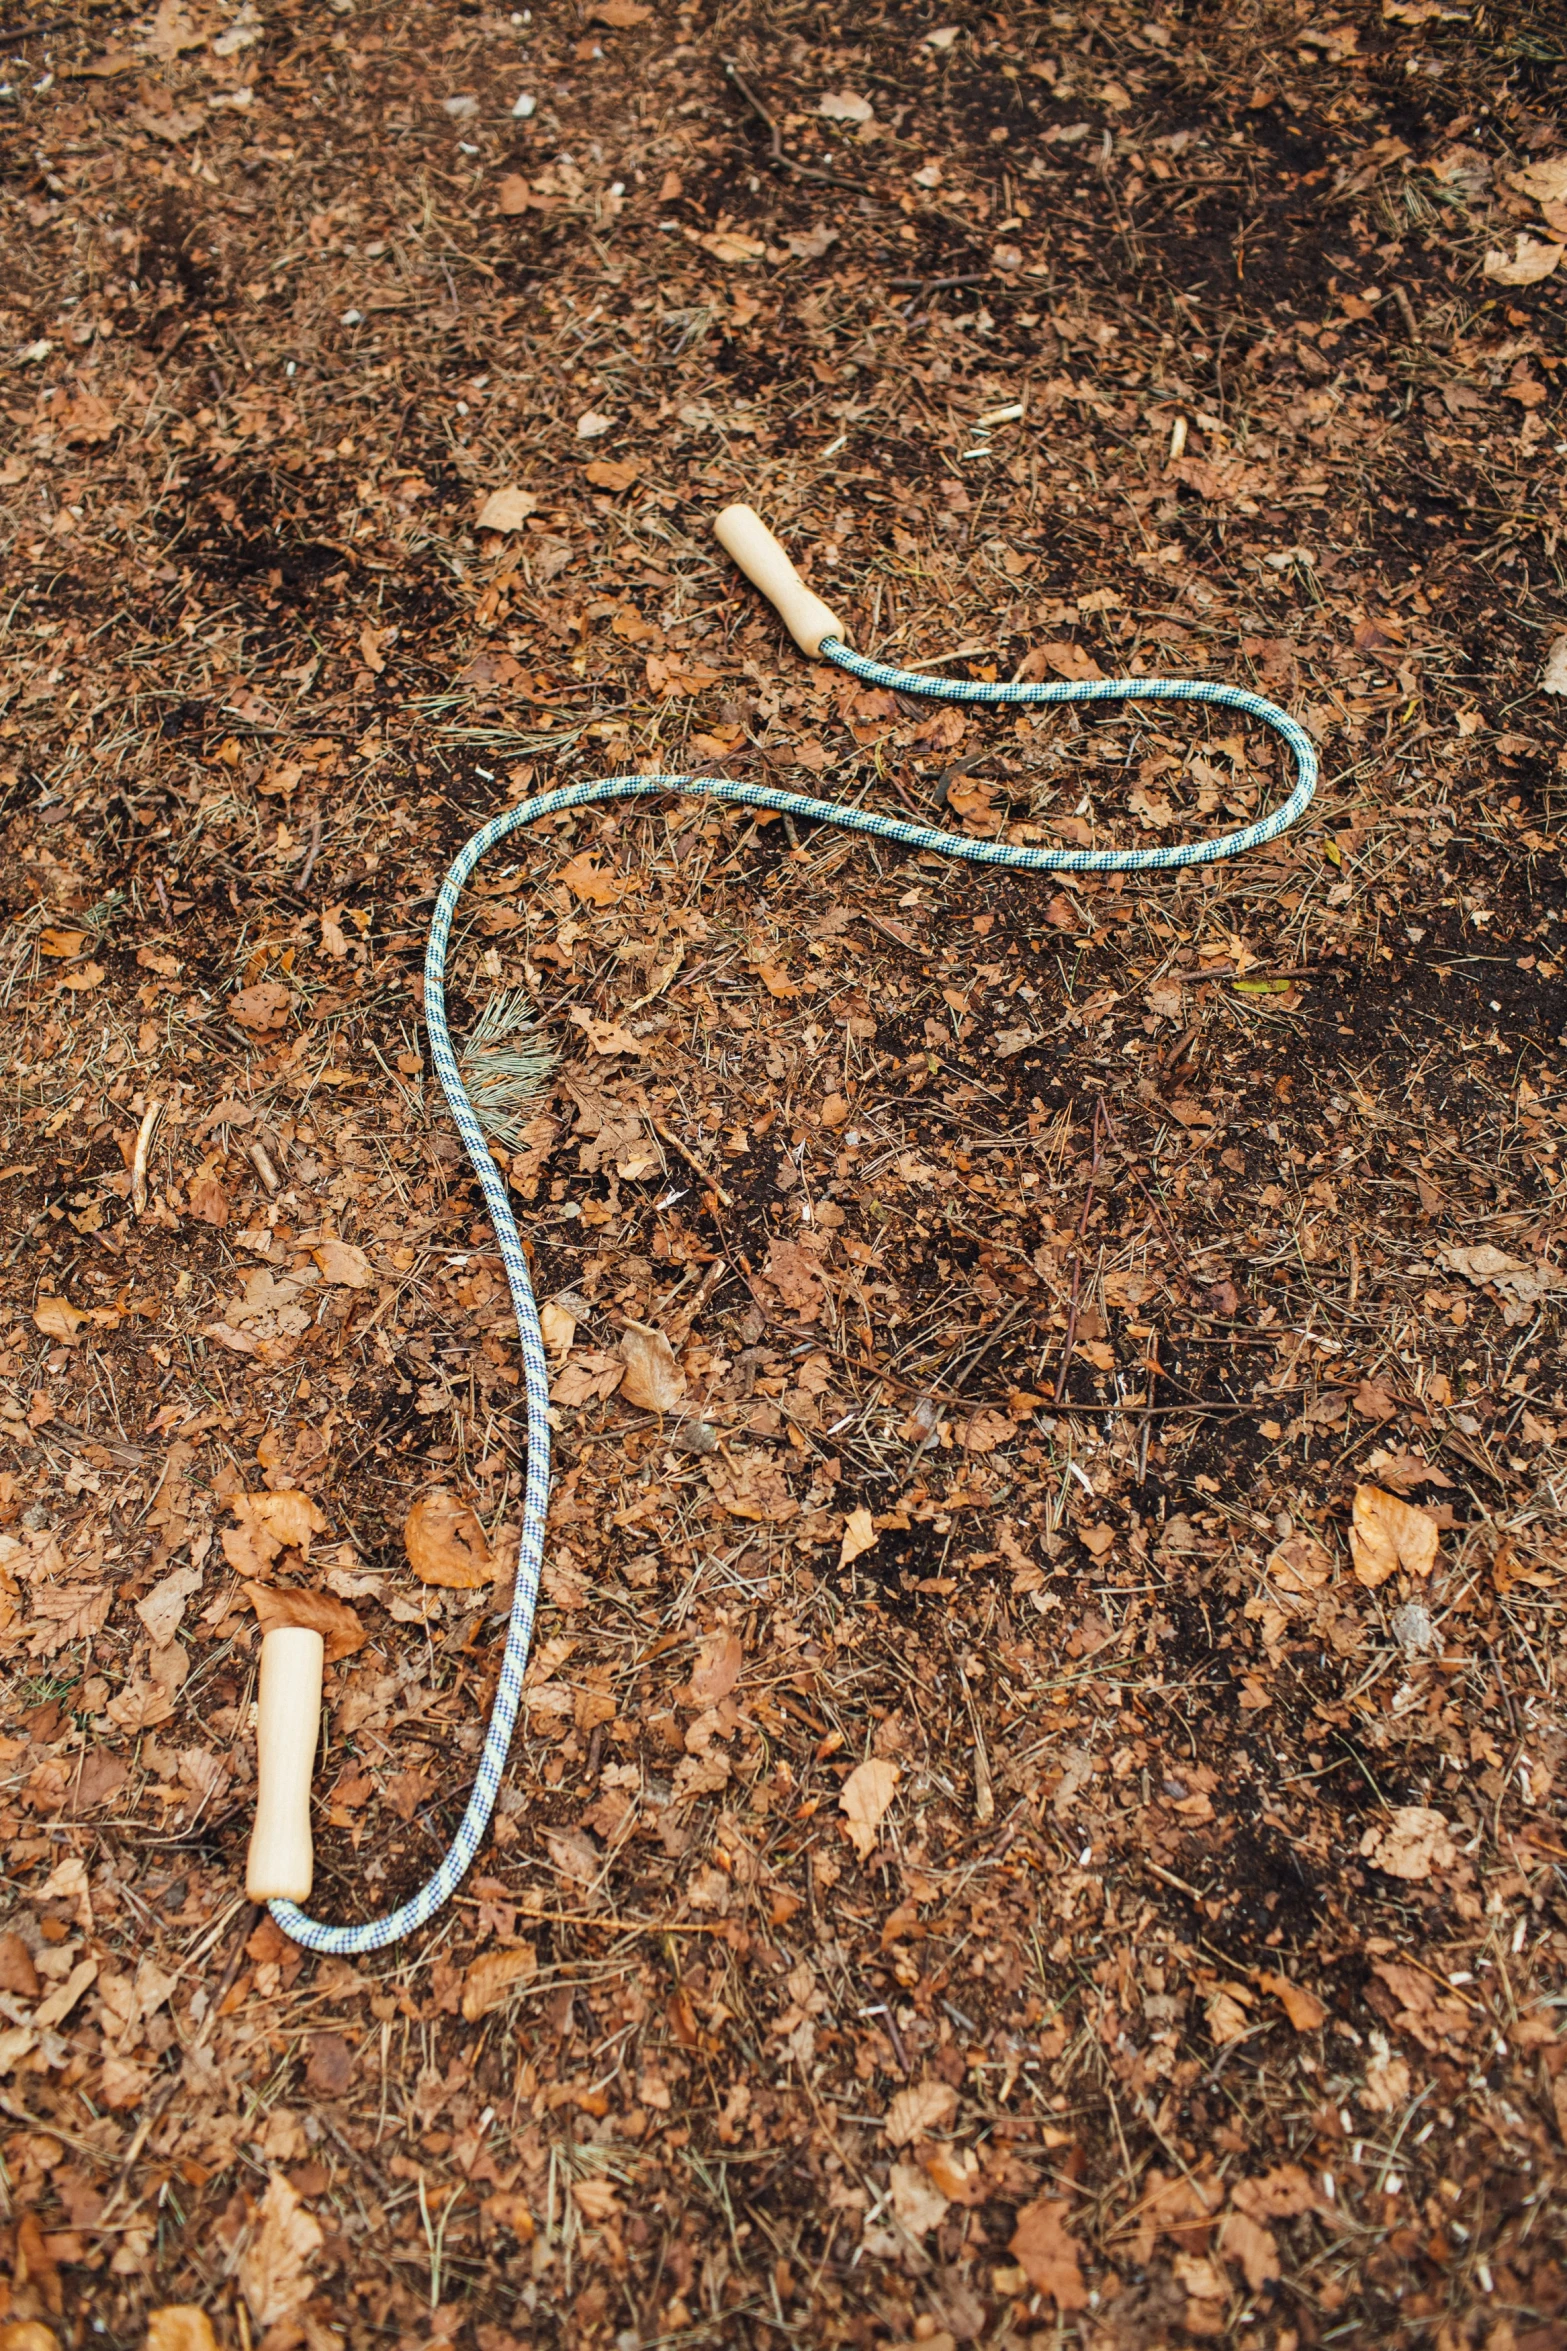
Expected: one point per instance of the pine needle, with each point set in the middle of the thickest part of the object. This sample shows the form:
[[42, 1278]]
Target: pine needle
[[506, 1064]]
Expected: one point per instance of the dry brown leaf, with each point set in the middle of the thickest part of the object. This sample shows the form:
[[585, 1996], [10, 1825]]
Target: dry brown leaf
[[717, 1669], [1227, 2019], [446, 1544], [957, 2172], [180, 2326], [605, 1036], [1045, 2248], [278, 1606], [57, 1318], [272, 2272], [27, 2334], [494, 1976], [1386, 1534], [1545, 181], [913, 2113], [1528, 262], [859, 1536], [795, 1274], [614, 473], [863, 1799], [1245, 2240], [61, 944], [1411, 1843], [1280, 2193], [653, 1380], [344, 1265], [264, 1006], [1304, 2010], [270, 1523], [509, 509], [598, 884], [918, 2204]]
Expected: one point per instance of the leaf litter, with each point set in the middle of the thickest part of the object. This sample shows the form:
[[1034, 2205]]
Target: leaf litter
[[1038, 1811]]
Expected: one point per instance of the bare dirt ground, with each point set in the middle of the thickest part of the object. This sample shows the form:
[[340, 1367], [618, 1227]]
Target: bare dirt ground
[[1038, 1817]]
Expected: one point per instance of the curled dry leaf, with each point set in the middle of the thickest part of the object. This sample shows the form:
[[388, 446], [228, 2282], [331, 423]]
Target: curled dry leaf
[[653, 1380], [864, 1798], [1411, 1843], [559, 1326], [1227, 2019], [446, 1544], [1386, 1533], [494, 1976], [277, 1607]]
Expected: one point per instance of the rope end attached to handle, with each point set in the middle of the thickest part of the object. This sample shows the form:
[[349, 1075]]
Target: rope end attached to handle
[[742, 533], [288, 1726]]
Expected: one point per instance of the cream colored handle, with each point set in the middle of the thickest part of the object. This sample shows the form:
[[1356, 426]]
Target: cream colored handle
[[741, 531], [288, 1726]]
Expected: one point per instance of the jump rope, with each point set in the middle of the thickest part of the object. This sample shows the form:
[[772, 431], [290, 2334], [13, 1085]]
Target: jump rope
[[281, 1865]]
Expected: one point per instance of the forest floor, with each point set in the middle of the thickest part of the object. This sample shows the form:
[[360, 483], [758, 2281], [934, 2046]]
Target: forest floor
[[1038, 1814]]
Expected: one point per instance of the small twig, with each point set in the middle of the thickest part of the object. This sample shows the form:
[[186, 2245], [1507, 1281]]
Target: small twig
[[806, 171], [144, 1135], [314, 850], [692, 1161], [973, 277]]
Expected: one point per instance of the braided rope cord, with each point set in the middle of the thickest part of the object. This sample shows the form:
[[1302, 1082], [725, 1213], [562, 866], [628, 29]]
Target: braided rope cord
[[422, 1906]]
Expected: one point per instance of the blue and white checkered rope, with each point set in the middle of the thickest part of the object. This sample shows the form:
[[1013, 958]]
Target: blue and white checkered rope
[[375, 1933]]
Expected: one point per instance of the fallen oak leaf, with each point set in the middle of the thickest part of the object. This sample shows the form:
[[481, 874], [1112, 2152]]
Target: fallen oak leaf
[[508, 509], [598, 884]]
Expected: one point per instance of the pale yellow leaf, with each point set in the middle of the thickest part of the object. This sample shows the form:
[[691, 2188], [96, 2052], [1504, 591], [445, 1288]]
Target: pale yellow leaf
[[864, 1798], [859, 1536]]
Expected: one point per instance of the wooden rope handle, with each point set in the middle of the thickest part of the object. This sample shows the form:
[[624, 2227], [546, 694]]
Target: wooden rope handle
[[288, 1726], [742, 533]]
